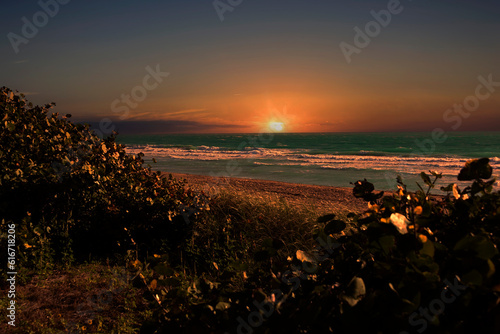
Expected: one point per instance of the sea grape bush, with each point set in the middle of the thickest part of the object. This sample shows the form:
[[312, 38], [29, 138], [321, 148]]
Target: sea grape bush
[[74, 195], [414, 262], [411, 263]]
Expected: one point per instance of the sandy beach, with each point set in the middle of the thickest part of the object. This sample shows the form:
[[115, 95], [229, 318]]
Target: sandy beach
[[321, 198]]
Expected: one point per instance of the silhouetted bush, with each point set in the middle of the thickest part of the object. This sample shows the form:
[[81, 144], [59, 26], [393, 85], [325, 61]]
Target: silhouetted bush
[[72, 194]]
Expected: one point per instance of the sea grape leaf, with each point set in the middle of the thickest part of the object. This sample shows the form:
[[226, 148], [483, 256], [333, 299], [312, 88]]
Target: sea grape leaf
[[163, 269], [476, 169], [326, 218], [367, 220], [448, 188], [363, 188], [239, 266], [491, 269], [335, 226], [304, 257], [221, 306], [428, 248], [400, 222], [436, 174], [482, 246], [426, 178], [10, 126], [267, 243], [356, 290], [387, 242], [473, 277]]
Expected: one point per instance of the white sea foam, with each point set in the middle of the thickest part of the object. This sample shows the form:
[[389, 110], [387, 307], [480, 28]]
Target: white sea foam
[[300, 158]]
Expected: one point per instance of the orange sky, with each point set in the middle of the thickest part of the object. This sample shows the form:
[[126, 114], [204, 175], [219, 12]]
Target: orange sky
[[264, 62]]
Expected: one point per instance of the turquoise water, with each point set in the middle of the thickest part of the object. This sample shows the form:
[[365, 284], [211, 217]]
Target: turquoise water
[[334, 159]]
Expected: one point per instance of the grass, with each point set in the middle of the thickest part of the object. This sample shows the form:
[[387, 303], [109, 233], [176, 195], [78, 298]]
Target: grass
[[261, 217], [87, 298], [97, 298]]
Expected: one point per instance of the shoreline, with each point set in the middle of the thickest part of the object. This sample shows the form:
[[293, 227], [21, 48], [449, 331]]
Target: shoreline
[[323, 199]]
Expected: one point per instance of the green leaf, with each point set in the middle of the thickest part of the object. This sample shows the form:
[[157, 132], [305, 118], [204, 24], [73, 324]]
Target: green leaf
[[335, 226], [11, 126], [367, 220], [239, 266], [387, 242], [483, 247], [222, 306], [448, 188], [426, 178], [363, 188], [473, 277], [356, 290], [436, 174], [163, 269], [326, 218], [476, 169], [428, 248], [305, 257]]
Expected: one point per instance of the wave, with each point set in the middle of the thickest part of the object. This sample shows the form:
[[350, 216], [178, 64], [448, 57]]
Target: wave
[[448, 165]]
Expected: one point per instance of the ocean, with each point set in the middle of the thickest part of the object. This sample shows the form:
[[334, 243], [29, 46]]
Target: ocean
[[333, 159]]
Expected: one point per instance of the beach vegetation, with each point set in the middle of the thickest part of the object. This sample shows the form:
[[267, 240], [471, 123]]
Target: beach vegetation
[[74, 196], [190, 262]]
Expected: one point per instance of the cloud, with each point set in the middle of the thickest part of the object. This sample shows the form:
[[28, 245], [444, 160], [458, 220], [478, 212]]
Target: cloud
[[180, 114], [168, 126], [21, 61], [185, 112]]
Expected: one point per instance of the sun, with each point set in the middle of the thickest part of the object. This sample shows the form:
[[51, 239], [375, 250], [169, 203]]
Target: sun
[[276, 126]]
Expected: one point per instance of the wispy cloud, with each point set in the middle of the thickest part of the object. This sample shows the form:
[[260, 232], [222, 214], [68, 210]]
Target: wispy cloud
[[186, 120], [174, 115], [21, 61], [170, 126], [185, 112]]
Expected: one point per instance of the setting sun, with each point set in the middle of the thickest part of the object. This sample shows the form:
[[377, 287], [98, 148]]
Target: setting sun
[[276, 126]]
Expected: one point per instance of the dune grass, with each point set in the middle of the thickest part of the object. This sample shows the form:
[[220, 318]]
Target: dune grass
[[99, 298]]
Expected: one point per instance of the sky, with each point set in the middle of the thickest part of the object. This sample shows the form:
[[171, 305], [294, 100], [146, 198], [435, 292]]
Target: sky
[[241, 66]]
